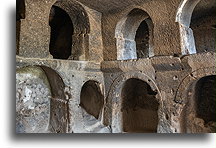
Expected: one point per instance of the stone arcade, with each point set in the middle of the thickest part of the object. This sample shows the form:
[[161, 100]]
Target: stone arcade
[[115, 66]]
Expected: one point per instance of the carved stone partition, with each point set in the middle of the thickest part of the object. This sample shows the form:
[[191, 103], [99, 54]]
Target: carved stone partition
[[59, 115], [35, 30]]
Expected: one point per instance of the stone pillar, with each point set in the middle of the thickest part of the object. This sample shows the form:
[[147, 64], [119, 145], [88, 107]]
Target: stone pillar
[[35, 30]]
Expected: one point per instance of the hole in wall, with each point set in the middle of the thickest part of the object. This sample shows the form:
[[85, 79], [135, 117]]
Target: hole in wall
[[134, 36], [139, 107], [206, 99], [203, 18], [61, 33], [199, 113], [142, 40], [167, 117], [175, 78], [91, 98]]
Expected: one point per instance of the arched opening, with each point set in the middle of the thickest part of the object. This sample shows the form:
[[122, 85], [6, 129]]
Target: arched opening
[[206, 99], [20, 14], [197, 25], [134, 34], [139, 107], [32, 100], [143, 39], [61, 33], [58, 105], [41, 104], [199, 115], [91, 98], [203, 25]]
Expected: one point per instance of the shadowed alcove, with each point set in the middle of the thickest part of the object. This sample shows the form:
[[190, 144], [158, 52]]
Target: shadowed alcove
[[199, 114], [134, 35], [91, 98], [40, 100], [139, 107], [197, 25], [61, 33], [143, 39], [206, 99], [203, 25]]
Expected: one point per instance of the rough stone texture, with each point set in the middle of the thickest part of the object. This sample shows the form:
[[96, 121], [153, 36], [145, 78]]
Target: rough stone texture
[[34, 30], [199, 113], [91, 90], [32, 101], [204, 33]]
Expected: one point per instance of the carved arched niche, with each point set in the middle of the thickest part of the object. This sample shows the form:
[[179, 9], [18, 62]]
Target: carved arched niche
[[92, 99], [59, 112], [41, 105], [33, 95], [134, 35], [139, 107], [197, 25], [135, 96], [61, 33], [199, 113], [204, 26], [69, 39], [35, 31]]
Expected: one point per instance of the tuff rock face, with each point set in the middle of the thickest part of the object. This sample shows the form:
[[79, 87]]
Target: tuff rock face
[[107, 66]]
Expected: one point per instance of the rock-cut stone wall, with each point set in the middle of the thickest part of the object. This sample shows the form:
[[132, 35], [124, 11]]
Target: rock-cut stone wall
[[126, 66]]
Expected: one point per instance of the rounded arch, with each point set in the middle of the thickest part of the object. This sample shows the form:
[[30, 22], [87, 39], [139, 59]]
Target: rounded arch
[[59, 116], [183, 17], [56, 83], [203, 26], [139, 107], [199, 112], [92, 99], [185, 91], [115, 94], [126, 35], [43, 83], [77, 14], [61, 33], [185, 11], [180, 96], [190, 12], [76, 32]]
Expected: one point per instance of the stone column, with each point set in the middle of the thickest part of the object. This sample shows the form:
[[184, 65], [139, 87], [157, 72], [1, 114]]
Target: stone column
[[35, 30]]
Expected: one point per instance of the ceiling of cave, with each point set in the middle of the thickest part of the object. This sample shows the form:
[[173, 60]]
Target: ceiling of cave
[[204, 6], [109, 5]]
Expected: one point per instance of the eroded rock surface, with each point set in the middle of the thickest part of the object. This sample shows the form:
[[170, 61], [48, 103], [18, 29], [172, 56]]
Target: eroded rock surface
[[32, 101]]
